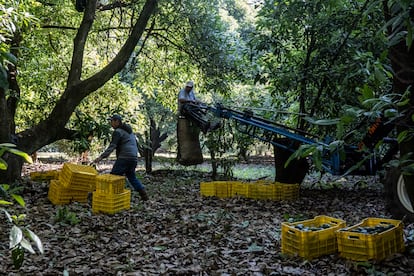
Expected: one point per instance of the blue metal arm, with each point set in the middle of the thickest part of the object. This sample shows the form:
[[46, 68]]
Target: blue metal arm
[[268, 131]]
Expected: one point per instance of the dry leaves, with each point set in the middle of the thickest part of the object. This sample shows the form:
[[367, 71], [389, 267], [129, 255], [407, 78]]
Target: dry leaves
[[178, 232]]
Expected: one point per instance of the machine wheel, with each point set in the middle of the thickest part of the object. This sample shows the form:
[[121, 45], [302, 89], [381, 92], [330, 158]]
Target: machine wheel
[[398, 202]]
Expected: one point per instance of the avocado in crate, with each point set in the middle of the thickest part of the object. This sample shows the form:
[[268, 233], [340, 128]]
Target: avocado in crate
[[311, 238], [110, 183], [371, 239]]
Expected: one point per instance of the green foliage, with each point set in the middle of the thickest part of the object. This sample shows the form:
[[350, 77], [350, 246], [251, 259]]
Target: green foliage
[[401, 22], [8, 147], [190, 40], [305, 150], [6, 192], [316, 54], [14, 20], [64, 216], [395, 109], [87, 128], [219, 143], [20, 235]]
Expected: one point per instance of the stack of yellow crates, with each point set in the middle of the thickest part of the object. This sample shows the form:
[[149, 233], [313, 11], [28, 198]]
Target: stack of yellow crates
[[74, 184], [256, 189], [44, 175], [110, 195], [78, 177]]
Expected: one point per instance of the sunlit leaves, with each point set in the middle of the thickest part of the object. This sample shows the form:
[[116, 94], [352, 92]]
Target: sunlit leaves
[[33, 237], [319, 53], [19, 199], [20, 239], [16, 236], [401, 22], [323, 122], [11, 148]]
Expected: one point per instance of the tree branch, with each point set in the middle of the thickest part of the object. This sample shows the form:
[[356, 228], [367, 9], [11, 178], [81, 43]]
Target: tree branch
[[335, 58], [76, 90], [59, 27], [79, 44], [115, 5], [116, 65]]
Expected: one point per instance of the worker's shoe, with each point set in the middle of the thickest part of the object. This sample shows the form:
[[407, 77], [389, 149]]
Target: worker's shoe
[[143, 194], [214, 126], [206, 128]]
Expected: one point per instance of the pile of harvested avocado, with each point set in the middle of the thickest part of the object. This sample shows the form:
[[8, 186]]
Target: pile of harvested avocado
[[371, 229], [304, 228]]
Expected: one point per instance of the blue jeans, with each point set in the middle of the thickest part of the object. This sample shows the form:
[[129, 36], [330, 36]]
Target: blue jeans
[[127, 168]]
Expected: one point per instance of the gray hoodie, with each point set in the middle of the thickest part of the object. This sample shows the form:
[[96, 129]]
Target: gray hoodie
[[125, 143]]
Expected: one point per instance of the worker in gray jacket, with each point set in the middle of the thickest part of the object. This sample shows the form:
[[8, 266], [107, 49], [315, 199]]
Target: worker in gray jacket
[[125, 143]]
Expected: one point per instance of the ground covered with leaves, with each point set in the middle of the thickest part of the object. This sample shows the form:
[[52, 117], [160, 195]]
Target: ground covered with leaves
[[178, 232]]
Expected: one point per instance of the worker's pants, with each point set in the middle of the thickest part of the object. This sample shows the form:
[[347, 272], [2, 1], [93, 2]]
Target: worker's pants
[[127, 168]]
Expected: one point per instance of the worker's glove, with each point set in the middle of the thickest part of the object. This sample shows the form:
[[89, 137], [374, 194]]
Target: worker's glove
[[97, 160]]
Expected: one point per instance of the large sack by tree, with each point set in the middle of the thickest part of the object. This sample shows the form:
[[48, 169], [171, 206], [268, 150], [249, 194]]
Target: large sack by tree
[[189, 151], [296, 171]]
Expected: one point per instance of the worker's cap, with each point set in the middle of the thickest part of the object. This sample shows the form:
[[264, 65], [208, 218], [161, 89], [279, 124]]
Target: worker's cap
[[190, 84], [115, 117]]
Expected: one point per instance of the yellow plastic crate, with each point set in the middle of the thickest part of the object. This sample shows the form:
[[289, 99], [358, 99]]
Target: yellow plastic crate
[[264, 181], [223, 189], [110, 184], [60, 195], [284, 191], [309, 239], [239, 189], [208, 188], [111, 203], [79, 177], [259, 190], [358, 246], [44, 175]]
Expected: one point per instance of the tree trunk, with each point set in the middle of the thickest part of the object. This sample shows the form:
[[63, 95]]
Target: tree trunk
[[156, 137], [148, 153], [402, 62], [214, 165], [14, 168], [52, 128]]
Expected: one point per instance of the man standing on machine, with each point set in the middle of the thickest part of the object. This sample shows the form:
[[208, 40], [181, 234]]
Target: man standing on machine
[[191, 108]]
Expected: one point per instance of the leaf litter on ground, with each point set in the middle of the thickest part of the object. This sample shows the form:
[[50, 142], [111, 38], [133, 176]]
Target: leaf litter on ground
[[179, 232]]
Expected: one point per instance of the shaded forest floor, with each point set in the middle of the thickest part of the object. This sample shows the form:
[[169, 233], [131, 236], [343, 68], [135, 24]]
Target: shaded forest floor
[[178, 232]]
